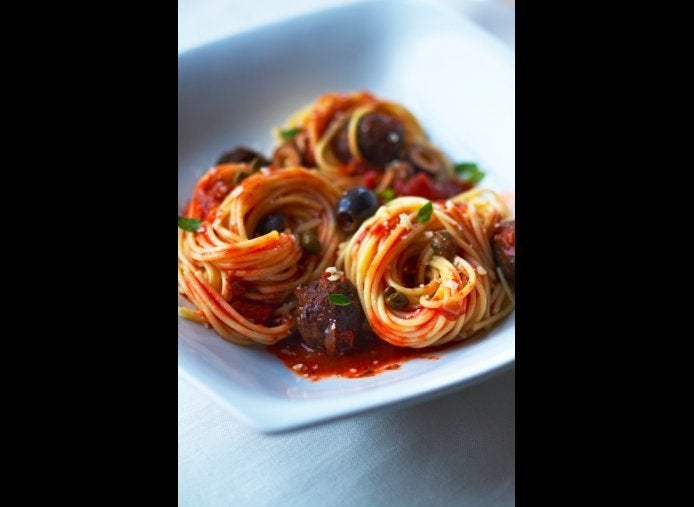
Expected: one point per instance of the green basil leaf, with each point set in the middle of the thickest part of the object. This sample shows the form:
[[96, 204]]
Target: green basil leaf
[[189, 224], [424, 213], [289, 133], [256, 164], [469, 171], [240, 176], [338, 299]]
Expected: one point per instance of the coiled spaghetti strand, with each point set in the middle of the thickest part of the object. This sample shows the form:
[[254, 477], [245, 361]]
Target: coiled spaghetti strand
[[269, 267], [325, 118], [449, 299]]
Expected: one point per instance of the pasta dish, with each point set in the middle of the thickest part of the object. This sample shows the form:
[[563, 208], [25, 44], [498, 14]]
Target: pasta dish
[[358, 243]]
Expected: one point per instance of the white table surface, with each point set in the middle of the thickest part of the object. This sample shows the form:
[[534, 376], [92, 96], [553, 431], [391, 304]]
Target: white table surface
[[454, 450]]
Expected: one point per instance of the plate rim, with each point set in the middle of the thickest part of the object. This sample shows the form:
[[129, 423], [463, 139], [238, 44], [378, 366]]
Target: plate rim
[[298, 419], [308, 415]]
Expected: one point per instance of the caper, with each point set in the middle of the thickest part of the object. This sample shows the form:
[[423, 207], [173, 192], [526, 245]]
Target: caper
[[256, 164], [443, 244], [395, 299], [269, 223], [309, 242]]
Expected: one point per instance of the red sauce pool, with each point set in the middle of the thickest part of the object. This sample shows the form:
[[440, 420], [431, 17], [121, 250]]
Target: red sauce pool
[[374, 357]]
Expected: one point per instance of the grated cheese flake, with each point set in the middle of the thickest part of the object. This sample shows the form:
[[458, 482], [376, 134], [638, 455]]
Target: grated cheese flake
[[451, 284], [335, 274], [405, 221], [298, 366]]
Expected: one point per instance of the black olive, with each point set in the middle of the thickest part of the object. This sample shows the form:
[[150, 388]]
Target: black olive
[[355, 206], [395, 299], [269, 223], [309, 242], [443, 244], [242, 154], [380, 138]]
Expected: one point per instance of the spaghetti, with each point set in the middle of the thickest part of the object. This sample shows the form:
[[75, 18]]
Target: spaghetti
[[268, 253], [357, 139], [447, 299], [241, 284]]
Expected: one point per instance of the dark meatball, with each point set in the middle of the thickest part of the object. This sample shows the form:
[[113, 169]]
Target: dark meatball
[[324, 325], [340, 145], [380, 138], [504, 244], [241, 154]]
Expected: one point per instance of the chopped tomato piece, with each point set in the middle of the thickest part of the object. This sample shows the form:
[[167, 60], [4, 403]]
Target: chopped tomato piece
[[371, 179], [422, 185]]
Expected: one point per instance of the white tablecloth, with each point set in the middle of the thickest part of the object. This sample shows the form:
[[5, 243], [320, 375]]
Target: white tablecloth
[[455, 450]]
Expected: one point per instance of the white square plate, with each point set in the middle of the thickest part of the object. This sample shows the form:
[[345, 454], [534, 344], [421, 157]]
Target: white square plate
[[455, 78]]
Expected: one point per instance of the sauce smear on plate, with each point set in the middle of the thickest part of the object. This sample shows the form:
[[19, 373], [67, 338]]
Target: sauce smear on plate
[[368, 360]]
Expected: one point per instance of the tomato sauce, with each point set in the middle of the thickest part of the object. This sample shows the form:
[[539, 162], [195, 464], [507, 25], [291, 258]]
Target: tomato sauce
[[454, 309], [383, 228], [209, 194], [422, 185], [373, 357], [257, 312], [328, 105], [370, 174], [371, 179]]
